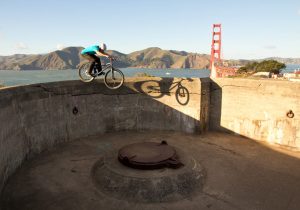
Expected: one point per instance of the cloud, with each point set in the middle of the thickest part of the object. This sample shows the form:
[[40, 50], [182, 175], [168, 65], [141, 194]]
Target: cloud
[[270, 47], [60, 46], [21, 46]]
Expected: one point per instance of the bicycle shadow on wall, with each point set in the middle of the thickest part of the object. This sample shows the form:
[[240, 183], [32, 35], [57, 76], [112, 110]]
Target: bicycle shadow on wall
[[165, 87]]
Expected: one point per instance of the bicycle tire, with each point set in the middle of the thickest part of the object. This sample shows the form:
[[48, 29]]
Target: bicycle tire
[[114, 79], [83, 73], [182, 95], [151, 88]]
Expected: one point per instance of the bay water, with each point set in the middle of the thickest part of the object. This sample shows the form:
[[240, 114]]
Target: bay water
[[12, 78]]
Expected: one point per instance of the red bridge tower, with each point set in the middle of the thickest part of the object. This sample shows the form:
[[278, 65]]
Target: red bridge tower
[[215, 57], [217, 67]]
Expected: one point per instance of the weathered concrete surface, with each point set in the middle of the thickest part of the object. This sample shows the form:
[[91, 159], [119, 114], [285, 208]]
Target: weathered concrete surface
[[36, 117], [257, 109], [240, 174], [148, 186]]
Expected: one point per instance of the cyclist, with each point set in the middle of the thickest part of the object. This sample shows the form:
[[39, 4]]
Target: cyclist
[[90, 53]]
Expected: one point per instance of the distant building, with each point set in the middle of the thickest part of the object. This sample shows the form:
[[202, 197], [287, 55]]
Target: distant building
[[291, 75], [262, 74]]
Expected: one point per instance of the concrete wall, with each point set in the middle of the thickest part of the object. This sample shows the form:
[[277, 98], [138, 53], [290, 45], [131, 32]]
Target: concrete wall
[[36, 117], [257, 109]]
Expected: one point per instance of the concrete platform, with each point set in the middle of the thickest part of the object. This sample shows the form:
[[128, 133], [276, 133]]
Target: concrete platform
[[238, 174]]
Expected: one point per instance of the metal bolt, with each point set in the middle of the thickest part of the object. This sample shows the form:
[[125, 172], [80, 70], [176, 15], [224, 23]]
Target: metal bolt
[[290, 114], [75, 110], [164, 142]]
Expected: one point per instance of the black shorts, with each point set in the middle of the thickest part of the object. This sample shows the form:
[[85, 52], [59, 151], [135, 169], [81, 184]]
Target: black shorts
[[91, 58], [94, 59]]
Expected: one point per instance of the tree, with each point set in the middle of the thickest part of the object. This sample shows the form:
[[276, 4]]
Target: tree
[[250, 67], [270, 66], [242, 70], [264, 66]]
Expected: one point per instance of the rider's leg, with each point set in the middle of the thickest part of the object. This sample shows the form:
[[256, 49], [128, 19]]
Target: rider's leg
[[98, 62], [91, 59]]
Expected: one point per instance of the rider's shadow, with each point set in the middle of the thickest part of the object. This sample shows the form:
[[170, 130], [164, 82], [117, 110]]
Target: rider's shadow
[[165, 87]]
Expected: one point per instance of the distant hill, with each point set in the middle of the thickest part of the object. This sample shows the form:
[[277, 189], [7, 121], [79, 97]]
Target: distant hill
[[285, 60], [67, 58], [158, 58], [154, 57]]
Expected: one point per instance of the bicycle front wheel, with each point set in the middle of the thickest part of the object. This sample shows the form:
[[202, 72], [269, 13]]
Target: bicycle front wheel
[[114, 79], [83, 72]]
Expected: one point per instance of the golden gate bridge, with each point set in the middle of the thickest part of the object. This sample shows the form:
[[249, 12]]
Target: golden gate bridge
[[217, 66]]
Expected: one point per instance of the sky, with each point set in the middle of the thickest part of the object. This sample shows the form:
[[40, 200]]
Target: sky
[[250, 29]]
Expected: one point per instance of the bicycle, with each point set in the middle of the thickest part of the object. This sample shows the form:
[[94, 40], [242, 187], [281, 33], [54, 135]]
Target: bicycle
[[113, 79], [156, 89]]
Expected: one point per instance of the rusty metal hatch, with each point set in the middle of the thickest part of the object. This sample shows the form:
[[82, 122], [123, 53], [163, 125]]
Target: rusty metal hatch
[[149, 155]]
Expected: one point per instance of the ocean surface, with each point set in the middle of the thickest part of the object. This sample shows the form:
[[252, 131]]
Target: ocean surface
[[11, 78]]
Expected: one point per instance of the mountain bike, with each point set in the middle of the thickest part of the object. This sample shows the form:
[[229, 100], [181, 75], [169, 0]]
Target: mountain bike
[[113, 78]]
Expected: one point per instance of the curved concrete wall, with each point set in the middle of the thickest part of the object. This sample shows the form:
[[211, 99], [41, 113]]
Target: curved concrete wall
[[36, 117], [257, 109]]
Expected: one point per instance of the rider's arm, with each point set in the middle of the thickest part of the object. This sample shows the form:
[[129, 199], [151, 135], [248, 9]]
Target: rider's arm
[[102, 53]]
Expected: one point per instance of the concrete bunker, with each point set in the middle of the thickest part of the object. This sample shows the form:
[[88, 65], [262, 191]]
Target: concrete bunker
[[59, 143]]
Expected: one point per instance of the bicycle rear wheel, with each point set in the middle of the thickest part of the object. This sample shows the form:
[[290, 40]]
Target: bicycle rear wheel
[[182, 95], [114, 79], [83, 72]]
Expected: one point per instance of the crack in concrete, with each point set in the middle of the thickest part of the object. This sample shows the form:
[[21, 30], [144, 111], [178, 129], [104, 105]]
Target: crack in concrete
[[84, 159], [216, 197], [238, 86], [17, 107], [166, 92], [98, 93], [241, 86], [94, 93], [48, 91], [68, 133], [221, 148]]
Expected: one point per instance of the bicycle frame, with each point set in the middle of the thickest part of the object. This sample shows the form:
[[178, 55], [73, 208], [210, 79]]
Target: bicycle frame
[[111, 67], [106, 67]]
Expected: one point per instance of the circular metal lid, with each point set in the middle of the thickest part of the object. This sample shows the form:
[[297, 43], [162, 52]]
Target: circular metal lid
[[149, 155]]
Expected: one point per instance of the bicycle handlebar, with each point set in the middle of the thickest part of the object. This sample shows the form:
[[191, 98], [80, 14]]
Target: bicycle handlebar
[[112, 59]]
